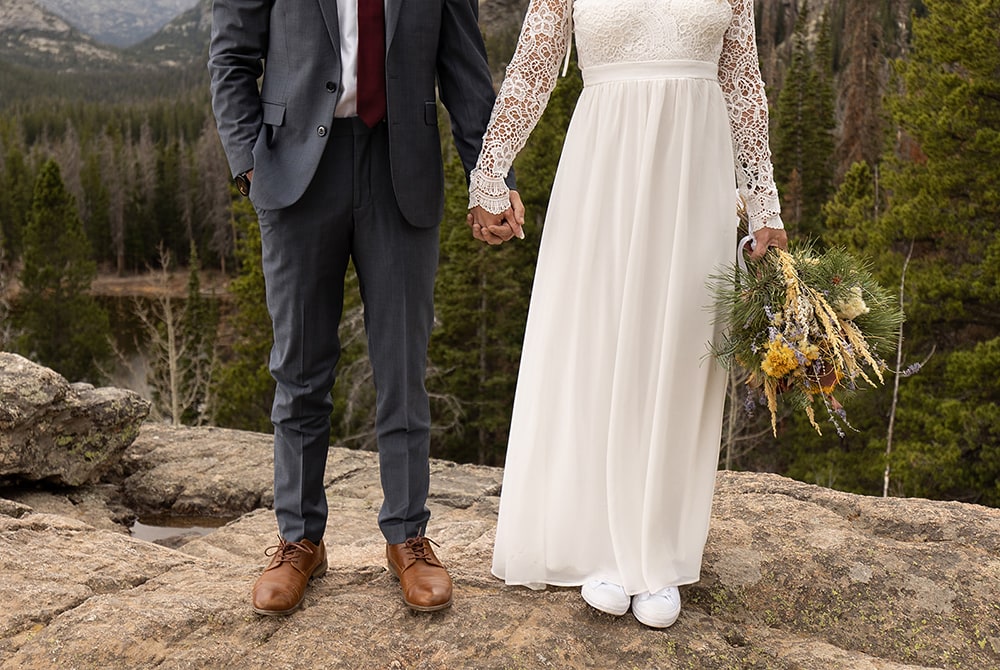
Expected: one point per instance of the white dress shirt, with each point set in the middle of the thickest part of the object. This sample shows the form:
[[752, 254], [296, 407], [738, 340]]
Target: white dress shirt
[[347, 17]]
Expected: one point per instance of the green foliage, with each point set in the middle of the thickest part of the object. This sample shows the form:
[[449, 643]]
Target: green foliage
[[62, 326], [944, 189], [803, 143], [482, 294], [16, 184], [123, 86], [950, 447], [244, 389], [199, 331], [143, 172], [933, 206], [850, 215]]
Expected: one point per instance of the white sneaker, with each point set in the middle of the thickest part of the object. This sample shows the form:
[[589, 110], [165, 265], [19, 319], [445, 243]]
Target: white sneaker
[[606, 597], [657, 610]]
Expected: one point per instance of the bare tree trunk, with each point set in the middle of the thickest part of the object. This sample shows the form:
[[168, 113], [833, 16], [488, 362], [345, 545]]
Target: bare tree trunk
[[895, 389], [179, 373], [213, 199], [112, 155], [173, 371]]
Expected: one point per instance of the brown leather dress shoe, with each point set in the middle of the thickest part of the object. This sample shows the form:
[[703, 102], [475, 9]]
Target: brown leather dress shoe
[[282, 587], [426, 584]]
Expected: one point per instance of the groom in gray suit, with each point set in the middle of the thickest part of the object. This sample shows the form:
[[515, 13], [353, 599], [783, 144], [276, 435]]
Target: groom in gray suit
[[338, 149]]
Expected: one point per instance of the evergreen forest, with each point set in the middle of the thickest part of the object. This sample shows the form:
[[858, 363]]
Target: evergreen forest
[[885, 133]]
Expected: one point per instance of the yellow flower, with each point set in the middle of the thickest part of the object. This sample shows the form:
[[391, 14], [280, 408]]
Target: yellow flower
[[809, 350], [779, 359]]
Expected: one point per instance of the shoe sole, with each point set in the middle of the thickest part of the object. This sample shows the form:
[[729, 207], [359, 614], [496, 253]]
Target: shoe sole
[[413, 606], [318, 572], [600, 608], [665, 623]]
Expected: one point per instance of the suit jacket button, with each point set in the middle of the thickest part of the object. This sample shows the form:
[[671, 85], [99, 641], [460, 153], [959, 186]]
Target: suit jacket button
[[321, 131], [330, 86]]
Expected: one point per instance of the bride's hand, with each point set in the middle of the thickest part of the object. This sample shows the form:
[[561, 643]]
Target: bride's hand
[[766, 238], [498, 228]]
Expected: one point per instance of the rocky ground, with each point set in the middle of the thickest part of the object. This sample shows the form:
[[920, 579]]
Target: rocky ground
[[795, 576]]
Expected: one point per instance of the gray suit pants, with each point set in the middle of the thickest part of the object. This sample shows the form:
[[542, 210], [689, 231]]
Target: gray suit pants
[[349, 212]]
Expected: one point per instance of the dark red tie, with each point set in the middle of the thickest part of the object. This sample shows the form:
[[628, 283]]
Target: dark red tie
[[371, 61]]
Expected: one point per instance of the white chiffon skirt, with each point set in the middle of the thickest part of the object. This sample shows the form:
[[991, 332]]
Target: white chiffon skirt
[[615, 431]]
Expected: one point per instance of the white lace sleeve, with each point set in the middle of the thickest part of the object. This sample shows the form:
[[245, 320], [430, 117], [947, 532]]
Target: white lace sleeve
[[739, 76], [531, 76]]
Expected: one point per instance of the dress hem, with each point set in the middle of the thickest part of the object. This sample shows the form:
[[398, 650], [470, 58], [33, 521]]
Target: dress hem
[[541, 586]]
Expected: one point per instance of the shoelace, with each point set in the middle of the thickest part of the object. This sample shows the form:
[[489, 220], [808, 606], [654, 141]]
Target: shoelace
[[418, 548], [286, 552], [668, 594]]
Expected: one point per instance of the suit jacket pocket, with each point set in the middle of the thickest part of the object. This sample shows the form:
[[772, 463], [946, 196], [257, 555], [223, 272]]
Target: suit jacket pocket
[[273, 114], [430, 113]]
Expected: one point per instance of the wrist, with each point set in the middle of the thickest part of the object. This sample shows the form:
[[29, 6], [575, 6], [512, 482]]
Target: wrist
[[488, 191], [243, 181]]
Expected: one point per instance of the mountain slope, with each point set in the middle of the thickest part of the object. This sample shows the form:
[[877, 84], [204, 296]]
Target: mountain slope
[[120, 23], [31, 35], [182, 41]]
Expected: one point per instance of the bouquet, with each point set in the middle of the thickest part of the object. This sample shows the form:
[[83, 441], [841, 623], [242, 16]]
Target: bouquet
[[804, 326]]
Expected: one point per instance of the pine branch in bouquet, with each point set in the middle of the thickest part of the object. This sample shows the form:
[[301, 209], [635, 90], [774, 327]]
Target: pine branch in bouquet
[[805, 326]]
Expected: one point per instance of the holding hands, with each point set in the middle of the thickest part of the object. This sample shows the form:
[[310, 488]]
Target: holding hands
[[498, 228]]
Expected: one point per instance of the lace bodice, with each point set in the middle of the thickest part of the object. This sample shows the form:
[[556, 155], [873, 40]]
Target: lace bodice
[[616, 31]]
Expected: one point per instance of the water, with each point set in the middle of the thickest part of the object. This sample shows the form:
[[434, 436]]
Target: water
[[173, 531]]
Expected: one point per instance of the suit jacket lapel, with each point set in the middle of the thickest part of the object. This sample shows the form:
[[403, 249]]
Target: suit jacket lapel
[[329, 10], [392, 8]]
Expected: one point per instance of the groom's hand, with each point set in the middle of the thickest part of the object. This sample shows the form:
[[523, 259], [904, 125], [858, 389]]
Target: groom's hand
[[483, 224], [516, 220]]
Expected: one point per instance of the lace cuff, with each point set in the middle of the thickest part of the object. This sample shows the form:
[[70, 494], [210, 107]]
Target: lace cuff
[[531, 76], [488, 191], [763, 211]]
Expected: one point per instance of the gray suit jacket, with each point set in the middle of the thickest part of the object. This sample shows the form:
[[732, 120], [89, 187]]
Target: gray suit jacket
[[279, 131]]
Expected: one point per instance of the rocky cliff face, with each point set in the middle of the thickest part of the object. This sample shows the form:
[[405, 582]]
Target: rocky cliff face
[[794, 576]]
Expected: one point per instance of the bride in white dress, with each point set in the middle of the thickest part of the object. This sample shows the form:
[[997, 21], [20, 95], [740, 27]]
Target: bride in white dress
[[617, 416]]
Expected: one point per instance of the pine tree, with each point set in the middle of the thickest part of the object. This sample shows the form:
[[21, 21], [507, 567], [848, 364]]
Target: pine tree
[[166, 216], [946, 204], [244, 389], [96, 208], [932, 199], [63, 327], [16, 185], [6, 327], [851, 215], [804, 123], [482, 294], [944, 180]]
